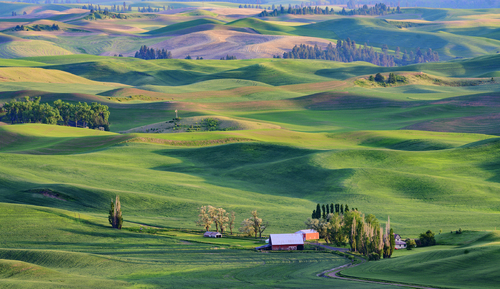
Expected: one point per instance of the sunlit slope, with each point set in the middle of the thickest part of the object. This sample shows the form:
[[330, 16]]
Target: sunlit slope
[[26, 48], [440, 176], [464, 264], [177, 72]]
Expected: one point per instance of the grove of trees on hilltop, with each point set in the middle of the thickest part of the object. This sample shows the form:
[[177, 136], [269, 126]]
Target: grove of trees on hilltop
[[63, 113], [150, 53], [348, 51]]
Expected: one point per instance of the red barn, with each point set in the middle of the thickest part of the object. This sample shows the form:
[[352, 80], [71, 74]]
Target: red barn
[[286, 242], [309, 234]]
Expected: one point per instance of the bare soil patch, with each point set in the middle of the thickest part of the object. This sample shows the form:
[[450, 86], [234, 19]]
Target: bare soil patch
[[214, 44]]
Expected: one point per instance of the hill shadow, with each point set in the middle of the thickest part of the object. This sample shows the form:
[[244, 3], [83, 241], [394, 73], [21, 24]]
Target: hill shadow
[[262, 168]]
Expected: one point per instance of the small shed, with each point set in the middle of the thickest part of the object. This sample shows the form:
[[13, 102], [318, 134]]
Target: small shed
[[286, 242], [309, 234], [212, 235]]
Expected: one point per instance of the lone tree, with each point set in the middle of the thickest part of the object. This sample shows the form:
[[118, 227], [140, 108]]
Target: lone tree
[[115, 214], [427, 239], [231, 221]]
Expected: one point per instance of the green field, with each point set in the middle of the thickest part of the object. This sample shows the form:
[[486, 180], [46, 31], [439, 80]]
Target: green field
[[465, 263], [292, 133]]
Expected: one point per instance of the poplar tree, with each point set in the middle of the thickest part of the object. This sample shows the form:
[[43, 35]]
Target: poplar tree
[[115, 214], [231, 221]]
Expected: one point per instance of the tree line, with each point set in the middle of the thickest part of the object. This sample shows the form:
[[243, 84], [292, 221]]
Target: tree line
[[363, 234], [377, 9], [229, 57], [296, 10], [348, 51], [322, 211], [150, 53], [114, 8], [59, 113]]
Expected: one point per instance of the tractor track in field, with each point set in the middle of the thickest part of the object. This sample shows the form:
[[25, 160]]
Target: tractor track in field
[[333, 273]]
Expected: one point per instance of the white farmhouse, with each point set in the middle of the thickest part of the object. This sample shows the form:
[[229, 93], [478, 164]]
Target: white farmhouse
[[399, 243]]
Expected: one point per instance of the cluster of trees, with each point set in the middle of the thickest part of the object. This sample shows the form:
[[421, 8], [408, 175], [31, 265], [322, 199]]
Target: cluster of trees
[[115, 214], [232, 57], [364, 234], [348, 51], [344, 51], [296, 10], [211, 215], [38, 27], [427, 239], [378, 9], [417, 57], [250, 6], [150, 53], [32, 111], [253, 225], [197, 57], [392, 79], [114, 8], [461, 4], [149, 9], [322, 211]]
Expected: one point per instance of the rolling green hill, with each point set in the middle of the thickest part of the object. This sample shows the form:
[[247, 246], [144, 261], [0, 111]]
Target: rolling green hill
[[466, 262], [292, 134]]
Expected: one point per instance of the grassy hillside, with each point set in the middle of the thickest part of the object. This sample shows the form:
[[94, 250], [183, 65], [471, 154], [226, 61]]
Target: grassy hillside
[[465, 262], [435, 174], [90, 254]]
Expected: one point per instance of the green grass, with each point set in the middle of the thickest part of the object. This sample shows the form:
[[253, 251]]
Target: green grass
[[462, 264], [433, 173], [90, 254]]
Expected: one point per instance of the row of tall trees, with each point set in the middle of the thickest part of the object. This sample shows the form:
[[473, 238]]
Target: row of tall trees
[[150, 53], [209, 215], [363, 234], [30, 110], [322, 211], [348, 51]]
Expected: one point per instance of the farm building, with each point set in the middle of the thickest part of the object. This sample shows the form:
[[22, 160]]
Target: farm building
[[308, 234], [286, 242], [212, 234], [399, 243]]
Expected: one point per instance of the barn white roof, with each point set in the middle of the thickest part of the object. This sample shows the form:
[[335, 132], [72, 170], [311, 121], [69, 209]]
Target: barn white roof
[[309, 231], [286, 239]]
